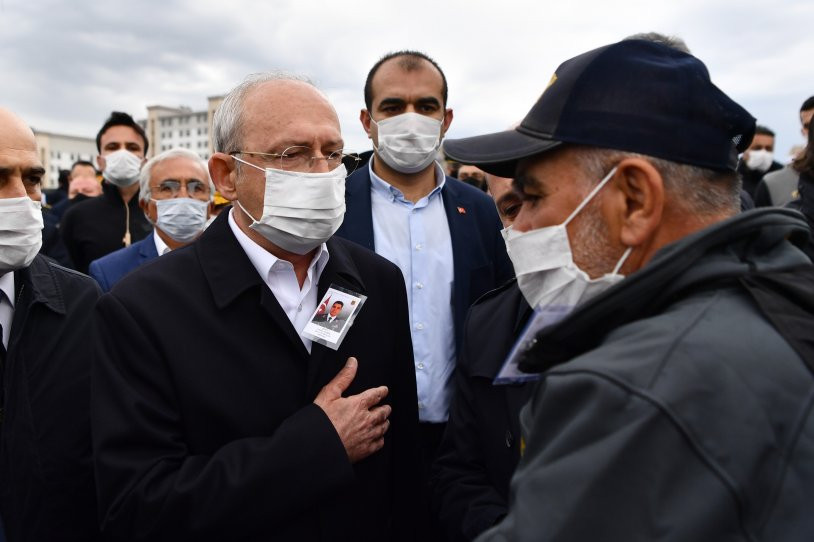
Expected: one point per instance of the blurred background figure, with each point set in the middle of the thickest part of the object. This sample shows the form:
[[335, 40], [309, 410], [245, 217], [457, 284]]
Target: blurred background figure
[[758, 160], [472, 175], [98, 226], [780, 187], [176, 197]]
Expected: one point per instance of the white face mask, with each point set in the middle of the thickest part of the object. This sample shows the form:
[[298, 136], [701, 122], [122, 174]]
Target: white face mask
[[121, 168], [408, 142], [183, 219], [300, 210], [20, 232], [544, 265], [760, 160]]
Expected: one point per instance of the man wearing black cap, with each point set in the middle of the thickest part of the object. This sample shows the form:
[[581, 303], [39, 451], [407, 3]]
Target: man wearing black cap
[[652, 421]]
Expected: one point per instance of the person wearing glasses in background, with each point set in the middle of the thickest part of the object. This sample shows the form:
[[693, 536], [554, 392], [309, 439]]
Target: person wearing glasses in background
[[176, 197], [259, 432]]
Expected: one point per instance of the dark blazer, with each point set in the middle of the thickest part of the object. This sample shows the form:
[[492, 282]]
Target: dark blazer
[[481, 445], [46, 477], [108, 270], [204, 426], [478, 251]]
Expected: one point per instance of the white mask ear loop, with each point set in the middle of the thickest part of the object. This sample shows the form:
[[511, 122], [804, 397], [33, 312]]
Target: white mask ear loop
[[622, 260], [590, 196], [237, 200]]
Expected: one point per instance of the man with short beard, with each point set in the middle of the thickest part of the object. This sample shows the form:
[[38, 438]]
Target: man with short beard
[[675, 392]]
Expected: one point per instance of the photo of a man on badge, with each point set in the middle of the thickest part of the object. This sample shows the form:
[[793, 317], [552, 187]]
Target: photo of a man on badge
[[333, 319]]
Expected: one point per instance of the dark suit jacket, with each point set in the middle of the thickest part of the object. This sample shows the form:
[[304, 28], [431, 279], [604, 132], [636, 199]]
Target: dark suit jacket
[[478, 251], [481, 445], [108, 270], [46, 477], [204, 426], [334, 325]]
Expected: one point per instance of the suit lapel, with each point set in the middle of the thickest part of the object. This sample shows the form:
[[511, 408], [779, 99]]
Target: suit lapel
[[323, 364], [358, 223], [230, 273], [147, 250], [461, 233]]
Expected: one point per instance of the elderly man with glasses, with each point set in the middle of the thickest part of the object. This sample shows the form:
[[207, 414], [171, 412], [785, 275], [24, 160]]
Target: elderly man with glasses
[[262, 430], [176, 197]]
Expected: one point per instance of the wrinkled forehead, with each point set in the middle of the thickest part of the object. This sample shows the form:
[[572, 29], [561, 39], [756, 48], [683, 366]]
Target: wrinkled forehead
[[287, 111]]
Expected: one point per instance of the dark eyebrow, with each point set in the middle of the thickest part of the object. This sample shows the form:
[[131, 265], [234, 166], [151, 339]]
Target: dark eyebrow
[[391, 101], [431, 100], [36, 171], [522, 182]]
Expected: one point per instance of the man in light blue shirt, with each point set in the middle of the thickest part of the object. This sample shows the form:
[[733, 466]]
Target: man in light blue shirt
[[444, 235]]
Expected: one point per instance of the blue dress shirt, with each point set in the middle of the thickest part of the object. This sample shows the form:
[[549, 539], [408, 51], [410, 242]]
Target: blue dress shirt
[[415, 237]]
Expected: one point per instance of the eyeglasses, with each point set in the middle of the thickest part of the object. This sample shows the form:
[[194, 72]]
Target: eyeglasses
[[303, 159], [170, 189]]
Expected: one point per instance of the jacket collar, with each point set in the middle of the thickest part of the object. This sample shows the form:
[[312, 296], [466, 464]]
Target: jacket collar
[[725, 251], [39, 277]]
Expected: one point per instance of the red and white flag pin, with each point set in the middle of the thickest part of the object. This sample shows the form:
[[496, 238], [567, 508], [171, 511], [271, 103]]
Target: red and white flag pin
[[461, 210]]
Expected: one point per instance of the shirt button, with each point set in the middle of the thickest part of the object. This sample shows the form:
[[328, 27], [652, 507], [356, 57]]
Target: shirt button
[[419, 246], [419, 326], [420, 366], [419, 285], [299, 309]]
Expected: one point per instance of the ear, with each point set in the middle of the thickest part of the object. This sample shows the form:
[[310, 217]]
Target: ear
[[222, 171], [447, 121], [100, 161], [364, 118], [640, 201]]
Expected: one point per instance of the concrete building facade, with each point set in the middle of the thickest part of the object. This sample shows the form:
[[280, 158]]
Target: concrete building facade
[[174, 127], [60, 151]]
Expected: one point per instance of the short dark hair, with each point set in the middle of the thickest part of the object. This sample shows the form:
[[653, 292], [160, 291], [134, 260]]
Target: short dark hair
[[763, 130], [82, 163], [338, 303], [808, 104], [805, 162], [411, 61], [117, 118]]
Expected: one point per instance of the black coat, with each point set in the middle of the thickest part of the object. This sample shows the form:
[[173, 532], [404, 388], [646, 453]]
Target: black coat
[[46, 479], [204, 425], [481, 445], [95, 227]]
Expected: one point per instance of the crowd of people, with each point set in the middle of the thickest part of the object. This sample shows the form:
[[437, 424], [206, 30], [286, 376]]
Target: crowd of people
[[597, 327]]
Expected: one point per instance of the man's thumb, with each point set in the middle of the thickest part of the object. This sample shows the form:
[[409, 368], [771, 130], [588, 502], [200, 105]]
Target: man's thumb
[[346, 375]]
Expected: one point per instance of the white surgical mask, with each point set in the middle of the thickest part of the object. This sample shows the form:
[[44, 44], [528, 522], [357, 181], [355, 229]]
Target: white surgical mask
[[760, 160], [544, 265], [20, 232], [121, 168], [183, 219], [408, 142], [300, 210]]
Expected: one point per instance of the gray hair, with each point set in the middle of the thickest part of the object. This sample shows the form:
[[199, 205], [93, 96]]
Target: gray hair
[[147, 171], [700, 191], [227, 122], [656, 37]]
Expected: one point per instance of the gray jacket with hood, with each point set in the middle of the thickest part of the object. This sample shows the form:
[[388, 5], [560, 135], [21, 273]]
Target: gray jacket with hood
[[670, 407]]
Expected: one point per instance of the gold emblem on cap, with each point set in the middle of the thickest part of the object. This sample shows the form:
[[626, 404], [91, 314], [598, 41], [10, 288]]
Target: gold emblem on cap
[[553, 80]]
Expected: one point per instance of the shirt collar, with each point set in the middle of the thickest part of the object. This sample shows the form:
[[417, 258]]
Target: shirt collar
[[388, 191], [160, 246], [7, 286], [263, 260]]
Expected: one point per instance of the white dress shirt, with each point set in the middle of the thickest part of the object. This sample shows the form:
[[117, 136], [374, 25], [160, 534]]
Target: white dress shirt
[[415, 237], [6, 304], [298, 303], [160, 246]]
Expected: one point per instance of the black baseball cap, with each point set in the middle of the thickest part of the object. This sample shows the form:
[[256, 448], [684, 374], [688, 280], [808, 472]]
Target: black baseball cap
[[636, 96]]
